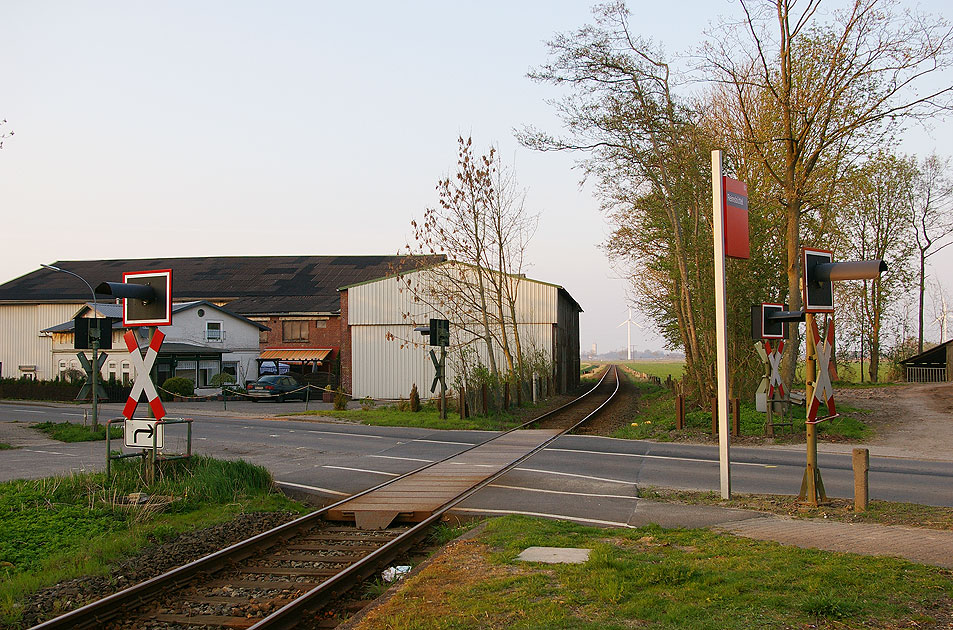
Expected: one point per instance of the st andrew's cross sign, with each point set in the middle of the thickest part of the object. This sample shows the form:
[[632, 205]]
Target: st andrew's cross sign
[[143, 367]]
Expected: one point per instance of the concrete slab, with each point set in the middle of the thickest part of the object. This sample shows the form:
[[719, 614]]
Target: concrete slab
[[554, 555], [686, 516]]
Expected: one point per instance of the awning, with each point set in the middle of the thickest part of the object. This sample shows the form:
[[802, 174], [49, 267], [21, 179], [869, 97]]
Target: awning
[[294, 354]]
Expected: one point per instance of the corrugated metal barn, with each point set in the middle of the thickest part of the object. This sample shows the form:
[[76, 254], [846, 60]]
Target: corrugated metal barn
[[387, 357]]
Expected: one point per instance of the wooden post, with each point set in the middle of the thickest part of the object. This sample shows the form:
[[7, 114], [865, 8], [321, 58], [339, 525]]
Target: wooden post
[[736, 417], [714, 415], [861, 462], [679, 412]]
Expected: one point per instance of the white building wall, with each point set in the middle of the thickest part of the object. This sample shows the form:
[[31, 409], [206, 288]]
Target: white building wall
[[21, 342], [388, 356]]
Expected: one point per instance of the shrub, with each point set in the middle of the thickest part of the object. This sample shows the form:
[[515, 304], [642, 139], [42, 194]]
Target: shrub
[[403, 405], [178, 386], [367, 403], [340, 400], [222, 378], [414, 399]]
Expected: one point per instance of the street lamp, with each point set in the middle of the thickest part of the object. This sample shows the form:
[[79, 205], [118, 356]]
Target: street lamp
[[94, 385]]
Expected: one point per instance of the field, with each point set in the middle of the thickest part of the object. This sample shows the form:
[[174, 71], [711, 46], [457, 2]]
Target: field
[[661, 369]]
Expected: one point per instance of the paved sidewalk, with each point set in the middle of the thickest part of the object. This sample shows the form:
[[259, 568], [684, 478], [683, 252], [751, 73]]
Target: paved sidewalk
[[925, 546]]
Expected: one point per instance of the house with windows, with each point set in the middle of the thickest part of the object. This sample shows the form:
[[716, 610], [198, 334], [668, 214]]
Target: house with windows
[[203, 341], [294, 299]]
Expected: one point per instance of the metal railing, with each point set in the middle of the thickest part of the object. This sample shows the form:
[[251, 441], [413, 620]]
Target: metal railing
[[917, 374]]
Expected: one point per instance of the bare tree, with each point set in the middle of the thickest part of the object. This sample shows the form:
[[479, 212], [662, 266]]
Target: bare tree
[[830, 91], [932, 220], [481, 225], [4, 134]]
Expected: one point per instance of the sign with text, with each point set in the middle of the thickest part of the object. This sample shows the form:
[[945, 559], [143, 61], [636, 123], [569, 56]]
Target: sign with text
[[735, 208]]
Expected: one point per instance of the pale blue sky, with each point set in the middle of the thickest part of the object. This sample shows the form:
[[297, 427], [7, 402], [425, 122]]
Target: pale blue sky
[[241, 128]]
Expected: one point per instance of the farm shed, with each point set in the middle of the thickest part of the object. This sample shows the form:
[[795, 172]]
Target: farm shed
[[383, 357], [932, 366]]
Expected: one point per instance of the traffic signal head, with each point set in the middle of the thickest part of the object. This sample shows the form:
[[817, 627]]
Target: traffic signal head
[[770, 321], [439, 332], [820, 271], [147, 297], [85, 331]]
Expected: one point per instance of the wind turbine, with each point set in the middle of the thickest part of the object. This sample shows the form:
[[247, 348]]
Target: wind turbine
[[628, 329]]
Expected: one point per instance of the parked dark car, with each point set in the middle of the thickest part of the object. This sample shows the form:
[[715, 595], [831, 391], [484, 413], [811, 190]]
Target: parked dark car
[[276, 387]]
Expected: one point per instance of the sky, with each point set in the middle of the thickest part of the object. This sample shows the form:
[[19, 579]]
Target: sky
[[299, 128]]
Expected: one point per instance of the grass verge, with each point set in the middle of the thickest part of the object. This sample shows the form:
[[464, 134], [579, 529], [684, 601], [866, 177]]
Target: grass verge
[[427, 418], [656, 421], [70, 432], [879, 512], [58, 528], [4, 446], [651, 577]]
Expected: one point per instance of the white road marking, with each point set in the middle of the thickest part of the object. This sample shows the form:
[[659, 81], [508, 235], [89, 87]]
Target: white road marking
[[575, 494], [31, 450], [667, 457], [564, 474], [363, 470], [200, 438], [30, 411], [407, 459], [443, 442], [545, 515], [315, 488], [376, 437]]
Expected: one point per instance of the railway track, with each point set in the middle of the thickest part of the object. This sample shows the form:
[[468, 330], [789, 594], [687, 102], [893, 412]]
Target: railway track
[[286, 577]]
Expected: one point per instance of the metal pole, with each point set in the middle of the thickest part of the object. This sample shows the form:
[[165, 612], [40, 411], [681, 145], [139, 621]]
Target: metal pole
[[95, 379], [811, 485], [443, 383], [721, 322]]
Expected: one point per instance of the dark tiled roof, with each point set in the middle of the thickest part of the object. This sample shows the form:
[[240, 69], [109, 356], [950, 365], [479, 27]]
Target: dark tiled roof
[[250, 284]]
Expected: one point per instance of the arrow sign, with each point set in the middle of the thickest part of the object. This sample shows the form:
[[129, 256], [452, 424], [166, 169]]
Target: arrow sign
[[88, 368], [140, 433], [143, 375]]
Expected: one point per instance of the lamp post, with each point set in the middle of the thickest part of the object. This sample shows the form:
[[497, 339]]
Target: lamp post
[[94, 385]]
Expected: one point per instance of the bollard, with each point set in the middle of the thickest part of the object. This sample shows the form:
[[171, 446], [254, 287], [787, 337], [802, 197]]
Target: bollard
[[679, 412], [861, 462]]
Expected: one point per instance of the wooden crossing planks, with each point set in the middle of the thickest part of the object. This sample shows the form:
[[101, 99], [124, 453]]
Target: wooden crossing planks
[[417, 496]]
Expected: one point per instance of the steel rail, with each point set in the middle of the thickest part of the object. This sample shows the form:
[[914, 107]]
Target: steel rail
[[288, 616], [95, 614]]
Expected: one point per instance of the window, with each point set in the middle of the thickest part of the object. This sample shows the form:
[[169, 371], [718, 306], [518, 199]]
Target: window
[[294, 331], [125, 373], [213, 331], [62, 370], [207, 369], [112, 371]]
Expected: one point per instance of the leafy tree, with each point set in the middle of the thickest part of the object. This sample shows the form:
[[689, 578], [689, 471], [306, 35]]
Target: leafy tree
[[811, 96], [875, 223]]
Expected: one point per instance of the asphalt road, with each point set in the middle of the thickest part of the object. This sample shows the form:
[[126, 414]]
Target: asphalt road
[[583, 477]]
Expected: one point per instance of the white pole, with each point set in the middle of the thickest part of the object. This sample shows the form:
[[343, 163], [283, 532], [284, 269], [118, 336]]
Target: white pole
[[628, 330], [721, 322]]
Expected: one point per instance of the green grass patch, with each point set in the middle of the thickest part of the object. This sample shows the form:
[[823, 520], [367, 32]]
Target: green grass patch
[[655, 420], [4, 446], [59, 528], [661, 369], [70, 432], [660, 578], [427, 418]]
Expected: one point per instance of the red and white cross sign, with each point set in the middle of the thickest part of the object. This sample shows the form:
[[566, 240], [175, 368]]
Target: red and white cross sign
[[143, 375], [823, 389], [774, 360]]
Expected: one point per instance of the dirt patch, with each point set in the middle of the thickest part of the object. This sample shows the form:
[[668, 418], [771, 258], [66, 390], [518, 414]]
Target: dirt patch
[[65, 596], [911, 420]]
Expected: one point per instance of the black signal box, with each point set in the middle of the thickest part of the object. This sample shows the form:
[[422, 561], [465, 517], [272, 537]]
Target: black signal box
[[85, 330], [439, 332]]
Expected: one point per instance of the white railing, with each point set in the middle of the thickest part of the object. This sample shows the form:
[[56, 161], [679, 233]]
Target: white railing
[[926, 374]]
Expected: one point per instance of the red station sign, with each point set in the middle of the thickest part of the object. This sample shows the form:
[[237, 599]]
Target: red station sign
[[735, 204]]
